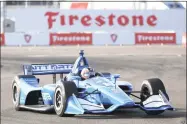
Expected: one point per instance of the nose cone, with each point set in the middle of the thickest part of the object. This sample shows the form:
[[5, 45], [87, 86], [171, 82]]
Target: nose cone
[[73, 106]]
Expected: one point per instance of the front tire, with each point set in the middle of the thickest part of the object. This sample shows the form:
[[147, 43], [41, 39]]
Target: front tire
[[62, 93], [151, 87], [154, 112]]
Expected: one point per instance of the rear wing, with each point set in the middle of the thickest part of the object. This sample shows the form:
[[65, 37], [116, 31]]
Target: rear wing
[[44, 69]]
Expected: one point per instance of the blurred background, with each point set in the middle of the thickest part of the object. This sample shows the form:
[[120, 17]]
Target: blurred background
[[9, 19]]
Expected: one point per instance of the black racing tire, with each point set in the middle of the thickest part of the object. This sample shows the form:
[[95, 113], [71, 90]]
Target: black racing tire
[[98, 74], [154, 112], [105, 73], [16, 95], [62, 93], [151, 87], [102, 74]]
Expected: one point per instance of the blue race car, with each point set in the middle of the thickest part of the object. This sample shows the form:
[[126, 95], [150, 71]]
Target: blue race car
[[73, 94]]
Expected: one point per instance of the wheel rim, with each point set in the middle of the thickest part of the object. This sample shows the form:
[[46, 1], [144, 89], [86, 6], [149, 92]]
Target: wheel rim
[[59, 99], [145, 92], [15, 93]]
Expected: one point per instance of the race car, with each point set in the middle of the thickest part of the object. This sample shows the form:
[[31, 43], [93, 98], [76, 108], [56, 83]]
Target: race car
[[73, 94]]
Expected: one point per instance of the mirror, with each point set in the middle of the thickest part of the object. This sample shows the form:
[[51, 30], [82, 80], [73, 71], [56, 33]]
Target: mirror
[[116, 76]]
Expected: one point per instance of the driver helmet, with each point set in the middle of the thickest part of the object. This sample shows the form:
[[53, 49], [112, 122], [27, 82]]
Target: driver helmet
[[85, 73]]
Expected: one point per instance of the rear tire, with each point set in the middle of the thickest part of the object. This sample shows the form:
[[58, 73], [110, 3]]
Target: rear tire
[[16, 91], [16, 95], [62, 93]]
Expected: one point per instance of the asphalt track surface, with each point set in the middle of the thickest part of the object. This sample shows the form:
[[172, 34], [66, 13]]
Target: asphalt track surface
[[134, 63]]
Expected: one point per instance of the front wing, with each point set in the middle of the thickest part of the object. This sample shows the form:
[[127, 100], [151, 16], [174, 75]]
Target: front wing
[[80, 106]]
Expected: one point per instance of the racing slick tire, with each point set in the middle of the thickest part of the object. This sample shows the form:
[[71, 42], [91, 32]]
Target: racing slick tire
[[102, 74], [62, 93], [151, 87], [16, 95], [154, 112]]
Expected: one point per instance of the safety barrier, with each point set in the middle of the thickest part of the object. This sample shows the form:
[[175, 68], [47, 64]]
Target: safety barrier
[[119, 38]]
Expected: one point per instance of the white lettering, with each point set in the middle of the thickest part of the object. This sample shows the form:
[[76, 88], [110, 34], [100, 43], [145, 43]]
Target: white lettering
[[155, 38]]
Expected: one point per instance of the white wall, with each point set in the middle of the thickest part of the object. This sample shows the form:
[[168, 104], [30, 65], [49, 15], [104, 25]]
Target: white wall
[[34, 20]]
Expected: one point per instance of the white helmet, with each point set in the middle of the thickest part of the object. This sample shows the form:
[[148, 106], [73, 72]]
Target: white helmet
[[85, 73]]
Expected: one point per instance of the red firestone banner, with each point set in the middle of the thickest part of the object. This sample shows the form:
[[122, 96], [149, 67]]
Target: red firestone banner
[[2, 39], [70, 39], [155, 38]]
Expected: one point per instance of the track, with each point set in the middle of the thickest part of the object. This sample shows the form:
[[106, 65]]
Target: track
[[133, 63]]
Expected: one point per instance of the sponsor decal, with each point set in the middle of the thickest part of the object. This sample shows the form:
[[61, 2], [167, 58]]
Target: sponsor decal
[[155, 38], [90, 20], [2, 39], [27, 38], [46, 96], [70, 38], [114, 37], [30, 80], [51, 67]]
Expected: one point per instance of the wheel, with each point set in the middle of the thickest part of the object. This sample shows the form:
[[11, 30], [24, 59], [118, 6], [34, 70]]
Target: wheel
[[102, 74], [62, 93], [16, 90], [154, 112], [151, 87], [16, 95]]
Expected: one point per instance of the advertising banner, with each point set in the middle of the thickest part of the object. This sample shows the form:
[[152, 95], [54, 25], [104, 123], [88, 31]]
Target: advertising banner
[[97, 38], [59, 20], [155, 38], [70, 38], [2, 39]]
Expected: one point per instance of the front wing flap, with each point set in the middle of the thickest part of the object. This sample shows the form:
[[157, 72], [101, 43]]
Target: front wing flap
[[157, 102]]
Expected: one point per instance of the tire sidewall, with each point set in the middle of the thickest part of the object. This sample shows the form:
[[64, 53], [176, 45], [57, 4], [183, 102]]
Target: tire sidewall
[[153, 89], [147, 84], [61, 89], [16, 101], [154, 112]]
